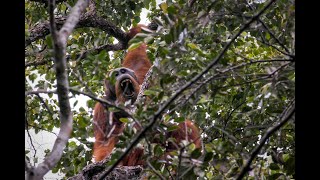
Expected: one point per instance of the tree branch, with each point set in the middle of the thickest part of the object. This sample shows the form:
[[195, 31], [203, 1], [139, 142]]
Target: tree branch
[[72, 20], [287, 116], [31, 142], [92, 96], [39, 91], [37, 127], [269, 31], [273, 46], [273, 36], [60, 40], [105, 102], [44, 104], [78, 76], [89, 19], [153, 169]]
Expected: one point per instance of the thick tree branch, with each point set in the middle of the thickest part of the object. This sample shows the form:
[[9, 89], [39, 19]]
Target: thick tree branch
[[89, 19], [40, 30], [287, 116], [60, 40], [153, 119], [123, 172], [72, 20]]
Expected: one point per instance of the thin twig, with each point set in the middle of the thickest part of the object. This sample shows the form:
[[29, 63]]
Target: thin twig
[[153, 169], [107, 103], [229, 116], [79, 78], [273, 36], [269, 31], [180, 159], [40, 91], [186, 171], [44, 104], [231, 137], [279, 50], [31, 142]]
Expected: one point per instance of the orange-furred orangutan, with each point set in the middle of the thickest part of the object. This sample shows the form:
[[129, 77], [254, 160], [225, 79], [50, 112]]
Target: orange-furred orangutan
[[108, 127]]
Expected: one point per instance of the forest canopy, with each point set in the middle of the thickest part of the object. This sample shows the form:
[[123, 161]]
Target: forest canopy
[[227, 65]]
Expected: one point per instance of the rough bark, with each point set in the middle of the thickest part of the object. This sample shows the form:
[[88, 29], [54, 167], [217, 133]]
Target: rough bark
[[92, 172], [65, 115], [89, 19]]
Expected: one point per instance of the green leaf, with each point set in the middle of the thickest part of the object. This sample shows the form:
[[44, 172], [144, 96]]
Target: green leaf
[[49, 41], [150, 92], [158, 150], [102, 55], [179, 119], [134, 45], [274, 166], [289, 165], [192, 46], [72, 146], [164, 7], [75, 103], [274, 176], [196, 153], [113, 109], [267, 36], [124, 120], [136, 19], [208, 156], [172, 128], [81, 109], [54, 170]]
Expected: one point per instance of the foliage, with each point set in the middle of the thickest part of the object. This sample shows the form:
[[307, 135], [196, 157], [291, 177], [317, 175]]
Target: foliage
[[234, 103]]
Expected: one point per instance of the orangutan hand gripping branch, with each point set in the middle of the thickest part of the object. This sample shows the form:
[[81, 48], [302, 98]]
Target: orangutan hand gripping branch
[[108, 127]]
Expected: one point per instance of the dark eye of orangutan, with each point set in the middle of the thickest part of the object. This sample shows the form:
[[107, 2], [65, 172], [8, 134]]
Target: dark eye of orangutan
[[122, 71]]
